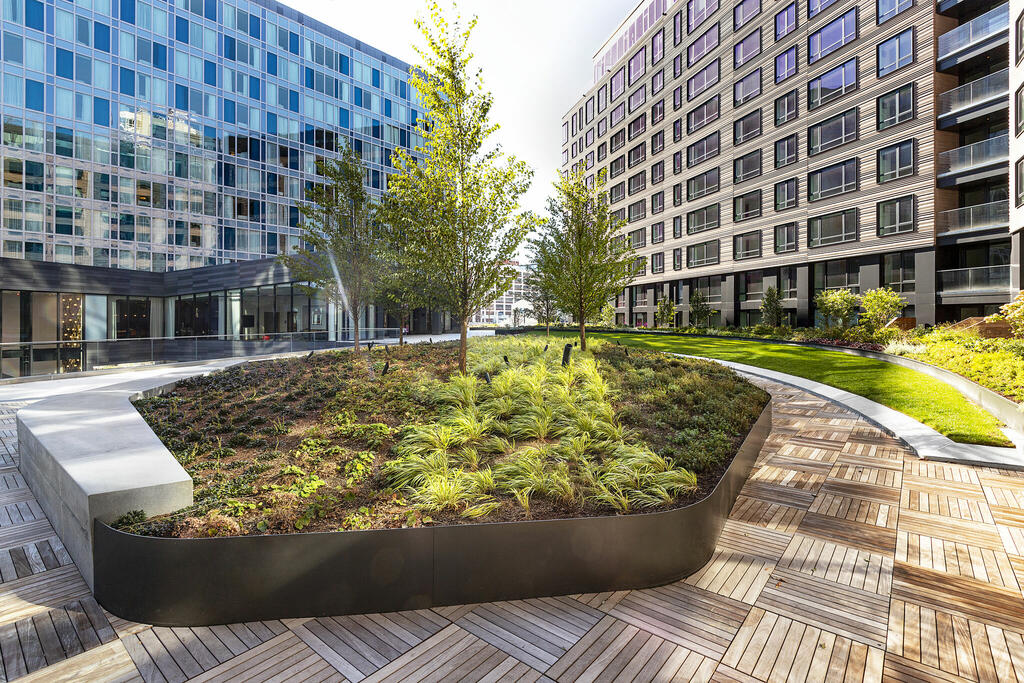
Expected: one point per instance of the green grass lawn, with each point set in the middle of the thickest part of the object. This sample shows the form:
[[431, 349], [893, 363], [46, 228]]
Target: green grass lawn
[[923, 398]]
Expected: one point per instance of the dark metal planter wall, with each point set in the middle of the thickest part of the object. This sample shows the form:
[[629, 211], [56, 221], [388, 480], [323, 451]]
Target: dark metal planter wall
[[180, 582]]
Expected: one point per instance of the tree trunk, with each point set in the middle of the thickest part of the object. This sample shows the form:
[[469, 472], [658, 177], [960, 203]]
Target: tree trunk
[[583, 334], [355, 331], [401, 327], [547, 329], [463, 334]]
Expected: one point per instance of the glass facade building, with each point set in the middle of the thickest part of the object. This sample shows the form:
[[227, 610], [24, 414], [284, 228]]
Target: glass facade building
[[153, 157], [162, 136]]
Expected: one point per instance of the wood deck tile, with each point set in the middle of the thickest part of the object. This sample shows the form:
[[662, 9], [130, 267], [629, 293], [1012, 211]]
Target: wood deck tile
[[696, 619], [766, 514], [839, 563], [944, 592], [960, 558], [875, 539], [536, 632]]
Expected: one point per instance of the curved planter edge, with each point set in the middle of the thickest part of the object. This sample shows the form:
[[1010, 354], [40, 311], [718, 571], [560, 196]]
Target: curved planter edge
[[1002, 407], [196, 582]]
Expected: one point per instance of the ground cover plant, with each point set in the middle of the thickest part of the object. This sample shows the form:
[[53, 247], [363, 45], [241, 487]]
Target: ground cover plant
[[398, 438], [923, 398]]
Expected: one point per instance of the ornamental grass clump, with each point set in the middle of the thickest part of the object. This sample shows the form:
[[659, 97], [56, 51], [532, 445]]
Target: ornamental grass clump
[[537, 431]]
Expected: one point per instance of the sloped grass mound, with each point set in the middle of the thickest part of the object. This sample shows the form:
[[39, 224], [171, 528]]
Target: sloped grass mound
[[336, 442]]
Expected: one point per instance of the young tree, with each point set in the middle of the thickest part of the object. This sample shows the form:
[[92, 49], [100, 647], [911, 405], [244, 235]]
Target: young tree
[[542, 302], [608, 316], [579, 251], [880, 306], [342, 252], [771, 308], [700, 309], [837, 306], [457, 197], [666, 313]]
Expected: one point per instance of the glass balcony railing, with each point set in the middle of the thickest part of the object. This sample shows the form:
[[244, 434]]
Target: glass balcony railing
[[989, 88], [974, 280], [987, 25], [979, 154], [971, 218]]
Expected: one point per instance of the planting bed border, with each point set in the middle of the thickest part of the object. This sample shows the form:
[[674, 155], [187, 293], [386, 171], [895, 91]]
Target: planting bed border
[[194, 582]]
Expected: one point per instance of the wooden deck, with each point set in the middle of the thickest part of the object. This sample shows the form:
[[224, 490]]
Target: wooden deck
[[845, 558]]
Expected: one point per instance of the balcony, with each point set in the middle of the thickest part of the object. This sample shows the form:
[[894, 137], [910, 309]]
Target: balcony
[[975, 37], [980, 280], [988, 158], [973, 218], [977, 98]]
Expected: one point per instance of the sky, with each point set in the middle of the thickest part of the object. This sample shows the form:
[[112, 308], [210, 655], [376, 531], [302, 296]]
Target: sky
[[536, 57]]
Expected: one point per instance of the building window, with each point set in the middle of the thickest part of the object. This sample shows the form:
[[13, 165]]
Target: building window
[[746, 49], [638, 98], [703, 115], [1018, 111], [637, 211], [637, 126], [786, 194], [896, 216], [617, 114], [677, 258], [638, 65], [658, 142], [747, 88], [832, 180], [617, 193], [637, 155], [1019, 32], [896, 52], [1018, 182], [657, 172], [637, 239], [677, 130], [832, 132], [896, 161], [832, 228], [896, 107], [746, 206], [785, 22], [814, 7], [658, 203], [887, 9], [832, 84], [785, 238], [702, 150], [746, 167], [703, 254], [747, 128], [702, 185], [637, 183], [677, 227], [786, 108], [744, 12], [697, 11], [786, 151], [747, 245], [617, 166], [658, 262], [657, 112], [703, 79], [617, 140], [832, 36], [785, 65], [707, 42], [898, 271], [657, 46], [706, 218], [677, 195]]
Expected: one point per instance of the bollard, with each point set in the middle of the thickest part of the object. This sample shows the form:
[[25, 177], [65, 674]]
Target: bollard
[[565, 354], [506, 360], [387, 364], [487, 377]]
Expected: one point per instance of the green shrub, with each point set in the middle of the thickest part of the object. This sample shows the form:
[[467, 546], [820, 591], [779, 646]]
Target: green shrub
[[880, 307], [837, 307]]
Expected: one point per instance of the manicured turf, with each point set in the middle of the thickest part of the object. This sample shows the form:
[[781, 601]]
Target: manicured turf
[[923, 398]]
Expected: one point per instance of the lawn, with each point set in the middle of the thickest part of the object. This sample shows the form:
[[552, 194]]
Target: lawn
[[397, 438], [923, 398]]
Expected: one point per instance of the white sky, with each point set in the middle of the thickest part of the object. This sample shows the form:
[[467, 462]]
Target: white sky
[[536, 57]]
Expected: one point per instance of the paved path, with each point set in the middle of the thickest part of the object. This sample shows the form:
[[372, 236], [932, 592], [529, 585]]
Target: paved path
[[845, 557]]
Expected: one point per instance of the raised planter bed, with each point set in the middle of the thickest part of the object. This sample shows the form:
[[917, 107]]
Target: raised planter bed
[[178, 582]]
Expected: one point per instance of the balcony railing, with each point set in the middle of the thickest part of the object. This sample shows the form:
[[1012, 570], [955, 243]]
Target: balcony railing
[[974, 280], [989, 88], [975, 31], [981, 153], [971, 218]]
